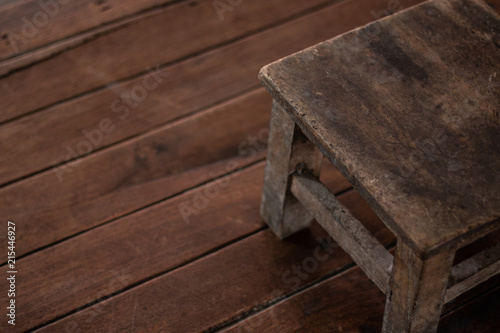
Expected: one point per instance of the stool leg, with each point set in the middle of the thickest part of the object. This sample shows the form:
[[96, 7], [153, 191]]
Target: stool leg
[[288, 149], [416, 291]]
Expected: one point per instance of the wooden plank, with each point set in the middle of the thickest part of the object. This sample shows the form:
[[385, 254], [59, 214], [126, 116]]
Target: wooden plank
[[288, 150], [218, 76], [166, 236], [350, 303], [351, 235], [405, 114], [134, 174], [39, 54], [472, 271], [224, 285], [152, 167], [132, 49], [26, 25]]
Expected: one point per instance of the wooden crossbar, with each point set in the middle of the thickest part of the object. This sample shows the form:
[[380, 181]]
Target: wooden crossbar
[[470, 272], [346, 230]]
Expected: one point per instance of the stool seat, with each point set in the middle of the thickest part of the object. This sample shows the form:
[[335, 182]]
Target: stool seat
[[408, 109]]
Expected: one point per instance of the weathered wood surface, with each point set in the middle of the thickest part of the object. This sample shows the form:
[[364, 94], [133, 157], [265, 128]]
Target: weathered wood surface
[[219, 75], [289, 150], [26, 25], [56, 281], [377, 102], [416, 291], [65, 277], [221, 287], [349, 303], [474, 270], [137, 173], [166, 235], [129, 51], [345, 229]]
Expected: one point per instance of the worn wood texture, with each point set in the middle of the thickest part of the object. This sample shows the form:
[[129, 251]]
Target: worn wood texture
[[474, 270], [407, 109], [348, 302], [95, 189], [166, 235], [252, 272], [27, 25], [416, 291], [345, 229], [188, 278], [132, 49], [289, 151], [219, 75]]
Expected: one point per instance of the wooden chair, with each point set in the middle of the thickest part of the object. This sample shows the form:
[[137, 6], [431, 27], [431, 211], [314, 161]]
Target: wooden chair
[[408, 109]]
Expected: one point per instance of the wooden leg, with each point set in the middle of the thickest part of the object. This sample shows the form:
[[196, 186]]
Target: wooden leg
[[416, 291], [289, 150]]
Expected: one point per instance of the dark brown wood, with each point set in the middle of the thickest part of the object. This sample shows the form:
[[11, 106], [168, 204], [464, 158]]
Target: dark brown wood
[[227, 284], [474, 270], [26, 25], [349, 303], [55, 281], [166, 235], [289, 151], [187, 290], [62, 125], [481, 315], [132, 49], [376, 98], [351, 235], [152, 167], [384, 126], [354, 97]]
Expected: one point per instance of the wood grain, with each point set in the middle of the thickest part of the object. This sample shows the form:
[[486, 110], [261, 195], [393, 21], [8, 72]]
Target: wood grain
[[26, 25], [416, 92], [288, 151], [350, 303], [416, 291], [351, 235], [56, 281], [166, 235], [132, 49], [134, 174], [220, 74], [473, 271], [253, 271]]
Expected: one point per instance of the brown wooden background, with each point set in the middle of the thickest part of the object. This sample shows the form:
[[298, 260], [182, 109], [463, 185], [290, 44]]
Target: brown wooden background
[[132, 140]]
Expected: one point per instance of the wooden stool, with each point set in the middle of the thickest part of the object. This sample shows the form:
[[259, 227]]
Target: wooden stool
[[408, 109]]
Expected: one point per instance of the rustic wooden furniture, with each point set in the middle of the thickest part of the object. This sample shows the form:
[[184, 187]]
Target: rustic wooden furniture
[[408, 109]]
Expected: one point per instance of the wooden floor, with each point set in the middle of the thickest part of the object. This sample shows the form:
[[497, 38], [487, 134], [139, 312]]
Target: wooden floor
[[133, 137]]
